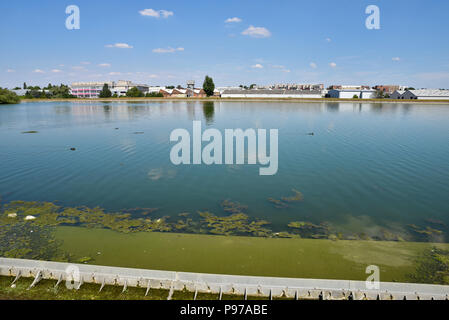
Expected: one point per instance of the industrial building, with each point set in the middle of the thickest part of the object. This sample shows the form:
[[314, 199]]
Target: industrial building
[[93, 89], [275, 93], [351, 93], [426, 94], [397, 94]]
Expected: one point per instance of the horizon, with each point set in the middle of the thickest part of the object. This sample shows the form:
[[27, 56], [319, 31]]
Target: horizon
[[235, 43]]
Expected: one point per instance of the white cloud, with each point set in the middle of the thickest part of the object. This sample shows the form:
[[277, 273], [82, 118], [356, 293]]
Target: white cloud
[[233, 20], [282, 68], [119, 45], [56, 70], [167, 50], [104, 65], [396, 59], [10, 70], [333, 64], [257, 32], [257, 66], [313, 65], [156, 13], [38, 71], [328, 39]]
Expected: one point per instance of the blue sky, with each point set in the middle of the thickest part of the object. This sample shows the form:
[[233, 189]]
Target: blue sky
[[270, 42]]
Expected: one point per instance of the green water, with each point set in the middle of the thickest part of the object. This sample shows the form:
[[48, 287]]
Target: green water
[[301, 258]]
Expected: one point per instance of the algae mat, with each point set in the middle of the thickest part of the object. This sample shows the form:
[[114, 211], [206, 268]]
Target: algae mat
[[298, 258]]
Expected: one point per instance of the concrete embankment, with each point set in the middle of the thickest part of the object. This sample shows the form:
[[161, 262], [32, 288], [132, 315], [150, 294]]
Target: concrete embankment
[[78, 274]]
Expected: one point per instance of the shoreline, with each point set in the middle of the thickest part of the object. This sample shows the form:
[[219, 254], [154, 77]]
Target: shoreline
[[217, 99]]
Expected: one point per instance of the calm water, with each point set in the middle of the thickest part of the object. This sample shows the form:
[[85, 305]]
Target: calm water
[[367, 165]]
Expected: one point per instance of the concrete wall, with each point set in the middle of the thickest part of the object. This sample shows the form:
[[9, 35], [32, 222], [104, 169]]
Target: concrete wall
[[216, 283]]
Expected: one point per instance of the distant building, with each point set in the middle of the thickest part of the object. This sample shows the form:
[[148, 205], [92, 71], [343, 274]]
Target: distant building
[[294, 86], [389, 89], [349, 87], [397, 94], [426, 94], [274, 93], [93, 89], [351, 93], [20, 92]]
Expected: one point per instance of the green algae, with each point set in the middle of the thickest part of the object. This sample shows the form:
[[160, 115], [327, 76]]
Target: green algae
[[433, 267], [235, 224], [284, 201], [295, 198], [310, 230], [242, 255], [233, 207], [26, 227]]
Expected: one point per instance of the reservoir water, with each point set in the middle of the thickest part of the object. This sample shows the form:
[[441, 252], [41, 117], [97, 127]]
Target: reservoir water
[[367, 167]]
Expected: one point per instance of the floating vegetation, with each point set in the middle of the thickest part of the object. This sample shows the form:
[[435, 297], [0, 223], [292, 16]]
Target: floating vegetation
[[233, 207], [184, 214], [295, 198], [26, 241], [426, 233], [435, 222], [310, 230], [140, 211], [432, 267], [41, 216], [278, 203], [283, 202], [31, 131], [235, 224]]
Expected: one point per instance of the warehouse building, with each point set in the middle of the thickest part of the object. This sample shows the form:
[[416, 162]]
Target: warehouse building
[[426, 94], [93, 89], [351, 93], [275, 93]]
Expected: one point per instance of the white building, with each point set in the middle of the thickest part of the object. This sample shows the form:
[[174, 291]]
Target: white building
[[93, 89], [351, 93], [275, 93], [427, 94]]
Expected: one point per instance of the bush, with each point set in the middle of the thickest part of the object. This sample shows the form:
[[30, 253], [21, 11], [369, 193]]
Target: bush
[[134, 93], [8, 97], [355, 97], [154, 95]]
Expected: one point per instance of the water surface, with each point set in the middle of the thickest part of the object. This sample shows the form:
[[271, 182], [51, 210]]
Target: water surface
[[367, 166]]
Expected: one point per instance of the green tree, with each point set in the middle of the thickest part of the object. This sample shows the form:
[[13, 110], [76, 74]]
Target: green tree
[[24, 85], [154, 95], [134, 93], [208, 86], [8, 97], [105, 92], [355, 96]]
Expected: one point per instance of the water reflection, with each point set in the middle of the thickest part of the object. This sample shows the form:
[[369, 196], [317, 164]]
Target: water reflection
[[208, 110]]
